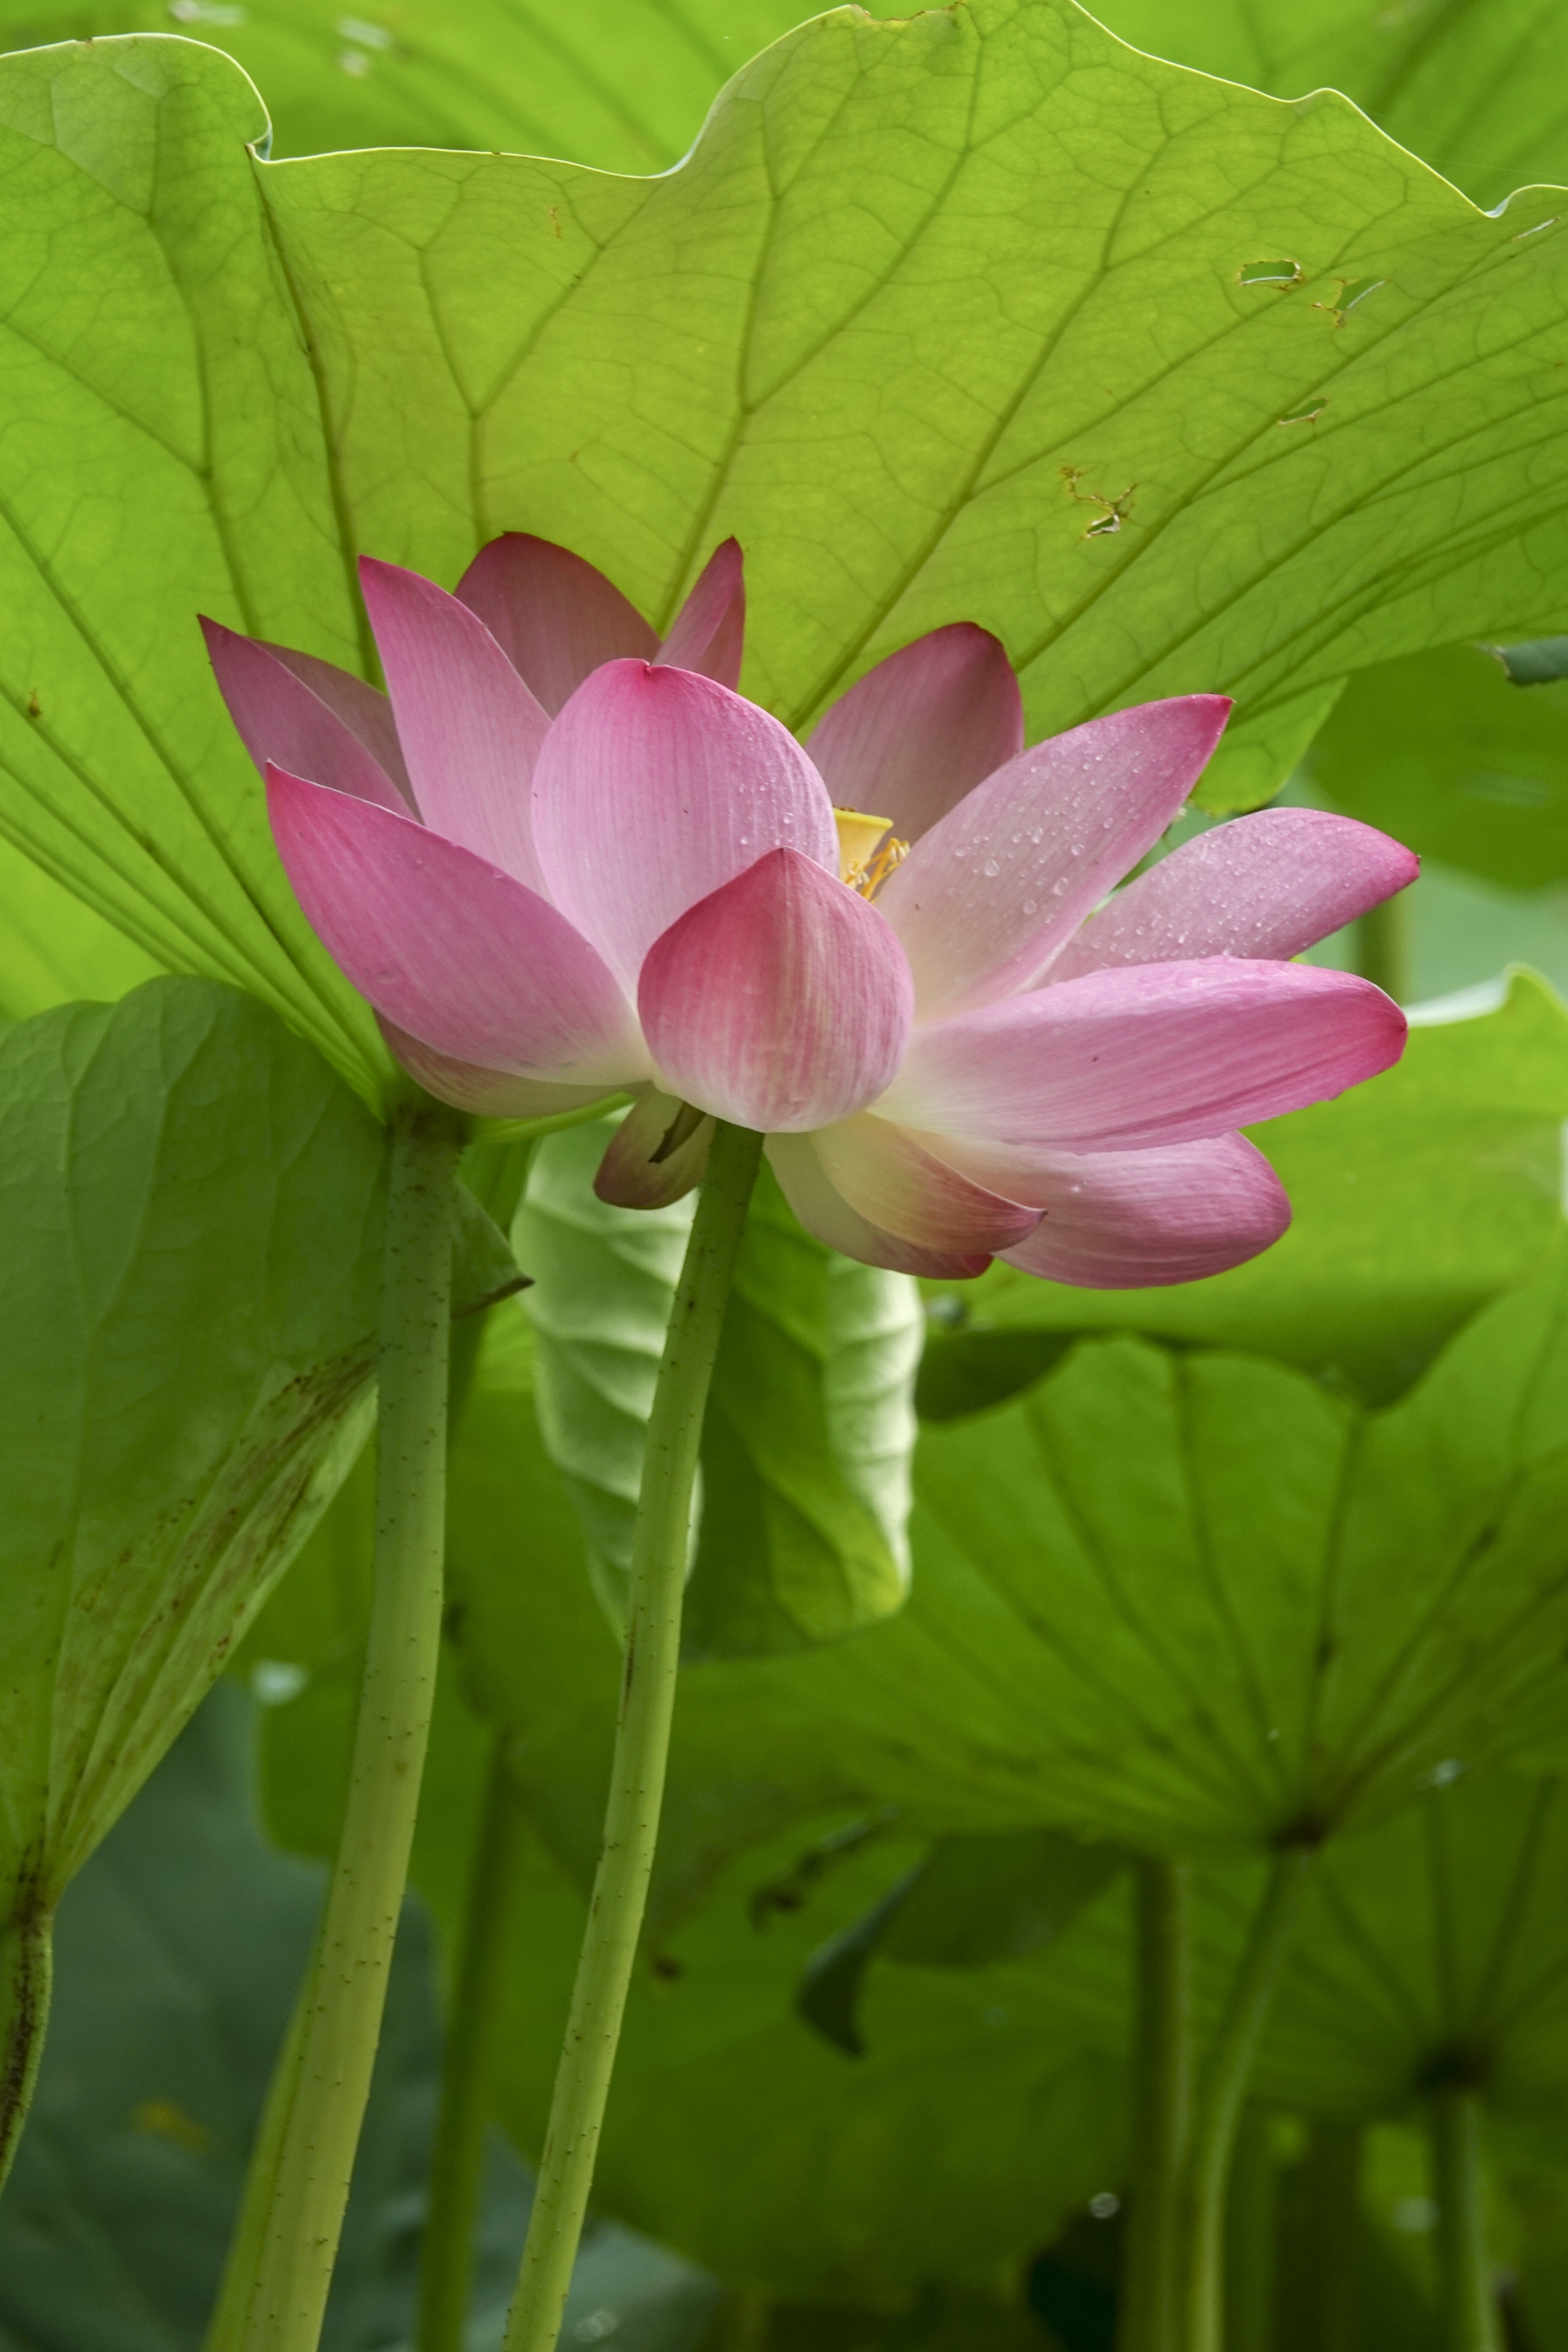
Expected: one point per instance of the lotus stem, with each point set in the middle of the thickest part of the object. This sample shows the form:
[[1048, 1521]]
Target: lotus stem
[[1467, 2297], [642, 1743], [457, 2161], [1251, 2223], [1383, 946], [1224, 2082], [280, 2263], [26, 1965], [1333, 2235], [1163, 2109]]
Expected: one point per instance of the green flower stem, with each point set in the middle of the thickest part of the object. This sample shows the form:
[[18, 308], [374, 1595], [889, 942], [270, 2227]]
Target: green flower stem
[[1225, 2082], [1383, 946], [1333, 2236], [458, 2161], [642, 1743], [1468, 2291], [280, 2266], [1251, 2221], [1162, 2093], [26, 1966]]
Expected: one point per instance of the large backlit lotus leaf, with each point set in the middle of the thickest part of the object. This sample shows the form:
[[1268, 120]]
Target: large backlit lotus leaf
[[1482, 93], [953, 317], [622, 84]]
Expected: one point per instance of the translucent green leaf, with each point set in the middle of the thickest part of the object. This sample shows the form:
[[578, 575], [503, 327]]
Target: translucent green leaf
[[623, 84], [1417, 1198], [168, 457], [1479, 92], [1442, 750], [799, 1533], [190, 1268], [1076, 436], [944, 316]]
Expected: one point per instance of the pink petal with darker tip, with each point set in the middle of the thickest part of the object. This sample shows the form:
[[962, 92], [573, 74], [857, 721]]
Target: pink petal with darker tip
[[654, 787], [489, 1093], [1147, 1055], [922, 728], [823, 1210], [708, 634], [895, 1182], [1130, 1220], [364, 711], [461, 955], [284, 717], [554, 616], [997, 888], [1263, 885], [781, 1002], [471, 729]]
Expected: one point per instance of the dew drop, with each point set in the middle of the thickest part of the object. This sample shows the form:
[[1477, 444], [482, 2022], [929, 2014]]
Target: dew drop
[[991, 867], [1029, 906]]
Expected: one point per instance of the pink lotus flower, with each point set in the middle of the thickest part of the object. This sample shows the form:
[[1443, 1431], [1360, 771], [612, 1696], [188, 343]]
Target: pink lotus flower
[[563, 860]]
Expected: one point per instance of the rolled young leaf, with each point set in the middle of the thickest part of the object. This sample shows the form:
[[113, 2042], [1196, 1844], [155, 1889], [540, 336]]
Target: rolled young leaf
[[800, 1536]]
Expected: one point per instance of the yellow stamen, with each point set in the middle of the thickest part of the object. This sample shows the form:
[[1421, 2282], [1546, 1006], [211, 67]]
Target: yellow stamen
[[862, 864]]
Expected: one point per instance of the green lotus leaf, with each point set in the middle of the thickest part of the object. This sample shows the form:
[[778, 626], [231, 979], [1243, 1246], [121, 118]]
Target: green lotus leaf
[[190, 1272], [1434, 1950], [622, 84], [950, 316], [951, 2152], [1444, 751], [1477, 92]]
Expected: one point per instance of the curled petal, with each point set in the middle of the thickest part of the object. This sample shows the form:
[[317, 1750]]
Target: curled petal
[[653, 787], [657, 1154], [896, 1183], [278, 703], [781, 1000], [922, 728], [709, 633], [823, 1210], [450, 949], [1129, 1220], [554, 616], [471, 729], [1150, 1054], [489, 1093], [1263, 885], [994, 891]]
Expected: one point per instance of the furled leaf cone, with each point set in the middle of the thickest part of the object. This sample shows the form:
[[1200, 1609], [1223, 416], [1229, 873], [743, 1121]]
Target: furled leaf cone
[[563, 858]]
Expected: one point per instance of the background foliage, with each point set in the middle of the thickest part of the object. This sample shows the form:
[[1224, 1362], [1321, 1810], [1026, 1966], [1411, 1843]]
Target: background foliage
[[1174, 382]]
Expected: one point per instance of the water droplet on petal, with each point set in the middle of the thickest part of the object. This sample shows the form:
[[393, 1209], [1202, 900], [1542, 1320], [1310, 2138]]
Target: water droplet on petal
[[991, 867]]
